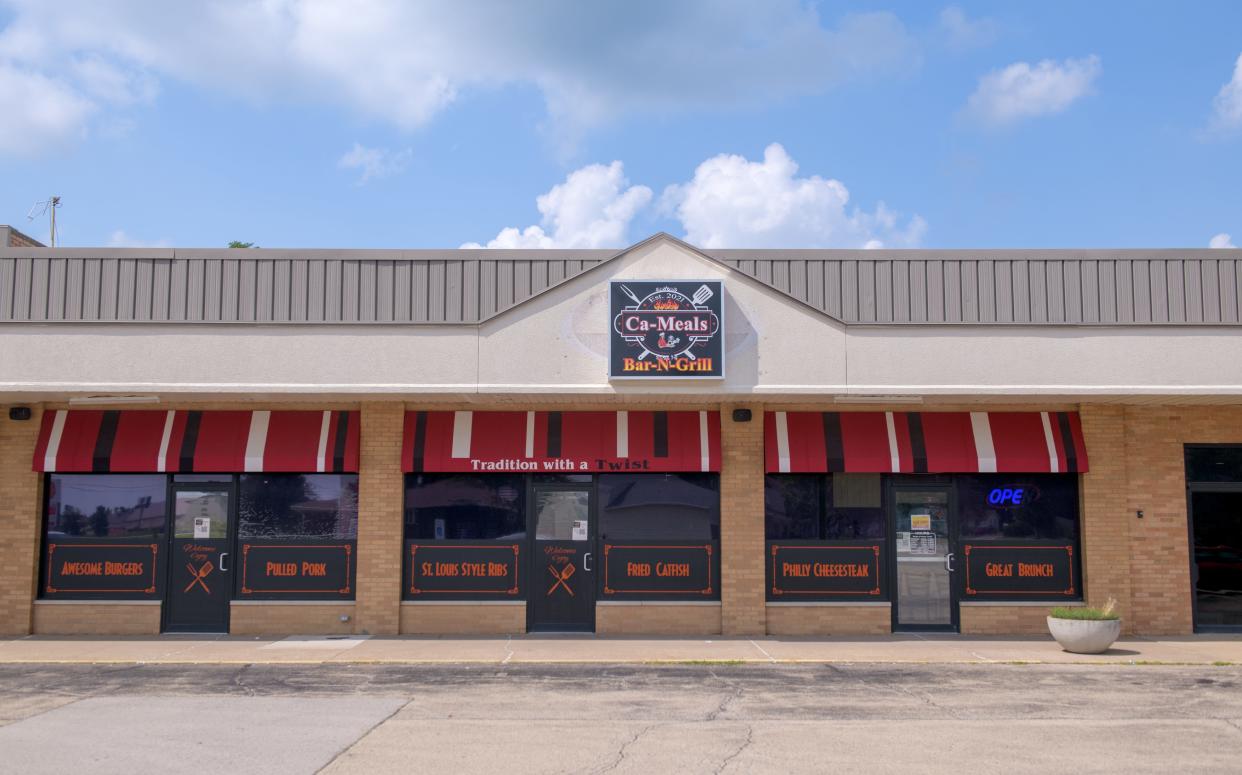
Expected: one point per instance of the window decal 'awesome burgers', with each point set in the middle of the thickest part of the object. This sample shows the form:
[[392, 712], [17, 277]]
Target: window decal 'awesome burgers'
[[666, 329]]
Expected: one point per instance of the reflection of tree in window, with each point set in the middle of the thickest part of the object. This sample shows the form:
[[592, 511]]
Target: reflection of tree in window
[[106, 506], [671, 507], [465, 507], [298, 506]]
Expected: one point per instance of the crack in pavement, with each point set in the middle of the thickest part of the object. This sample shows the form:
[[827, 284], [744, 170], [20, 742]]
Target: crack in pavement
[[750, 738], [240, 683], [1232, 723], [724, 704], [621, 752]]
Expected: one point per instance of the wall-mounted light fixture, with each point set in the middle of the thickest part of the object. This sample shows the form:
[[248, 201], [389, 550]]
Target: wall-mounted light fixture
[[1139, 513], [19, 413], [741, 415]]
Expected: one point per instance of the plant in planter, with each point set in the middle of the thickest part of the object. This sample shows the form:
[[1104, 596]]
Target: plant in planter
[[1085, 629]]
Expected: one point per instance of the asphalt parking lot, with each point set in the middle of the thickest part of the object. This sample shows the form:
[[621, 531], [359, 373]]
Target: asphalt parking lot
[[716, 717]]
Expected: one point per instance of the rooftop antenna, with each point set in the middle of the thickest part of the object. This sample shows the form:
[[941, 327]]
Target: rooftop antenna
[[46, 206]]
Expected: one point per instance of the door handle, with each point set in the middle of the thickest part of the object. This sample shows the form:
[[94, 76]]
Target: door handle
[[948, 562], [586, 558], [223, 569]]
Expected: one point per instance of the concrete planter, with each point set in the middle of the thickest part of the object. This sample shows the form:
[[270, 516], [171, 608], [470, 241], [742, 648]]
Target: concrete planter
[[1085, 636]]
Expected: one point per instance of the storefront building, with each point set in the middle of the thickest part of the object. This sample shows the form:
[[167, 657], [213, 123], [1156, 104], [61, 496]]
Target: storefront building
[[660, 440]]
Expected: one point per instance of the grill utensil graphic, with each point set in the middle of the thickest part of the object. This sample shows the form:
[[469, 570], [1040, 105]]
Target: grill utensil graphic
[[561, 577], [199, 574]]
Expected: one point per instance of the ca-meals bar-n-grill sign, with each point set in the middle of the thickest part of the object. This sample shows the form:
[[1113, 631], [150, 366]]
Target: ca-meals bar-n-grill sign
[[666, 329]]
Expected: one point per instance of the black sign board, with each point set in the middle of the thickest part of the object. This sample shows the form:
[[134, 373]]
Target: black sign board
[[668, 329], [638, 570], [102, 569], [806, 571], [463, 570], [283, 570], [1021, 571]]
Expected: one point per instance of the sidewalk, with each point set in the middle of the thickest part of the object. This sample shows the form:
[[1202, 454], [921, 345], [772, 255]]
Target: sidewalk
[[547, 649]]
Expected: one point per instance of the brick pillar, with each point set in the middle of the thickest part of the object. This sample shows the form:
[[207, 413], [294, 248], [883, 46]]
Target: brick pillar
[[380, 493], [741, 523], [1160, 589], [1106, 516], [20, 500]]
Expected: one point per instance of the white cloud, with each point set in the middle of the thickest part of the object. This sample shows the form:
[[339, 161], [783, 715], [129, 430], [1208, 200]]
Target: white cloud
[[735, 203], [1227, 106], [374, 163], [593, 208], [1222, 240], [961, 32], [39, 113], [1022, 91], [119, 239], [403, 63]]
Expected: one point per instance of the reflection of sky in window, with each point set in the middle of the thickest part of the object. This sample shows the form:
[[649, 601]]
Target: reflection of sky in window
[[111, 491]]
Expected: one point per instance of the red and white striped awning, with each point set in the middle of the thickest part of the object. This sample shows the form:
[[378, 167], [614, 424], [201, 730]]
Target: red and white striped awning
[[180, 441], [562, 442], [924, 442]]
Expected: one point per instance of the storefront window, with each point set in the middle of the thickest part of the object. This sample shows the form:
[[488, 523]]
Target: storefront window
[[304, 506], [670, 507], [465, 507], [793, 504], [106, 506], [1214, 464], [814, 507], [1026, 506], [854, 507]]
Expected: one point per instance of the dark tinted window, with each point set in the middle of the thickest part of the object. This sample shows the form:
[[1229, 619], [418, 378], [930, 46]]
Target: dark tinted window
[[854, 506], [298, 506], [818, 506], [793, 506], [674, 507], [465, 506], [106, 506], [1214, 464], [1031, 506]]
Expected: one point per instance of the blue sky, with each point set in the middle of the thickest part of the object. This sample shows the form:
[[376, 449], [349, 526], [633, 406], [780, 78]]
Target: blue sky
[[294, 123]]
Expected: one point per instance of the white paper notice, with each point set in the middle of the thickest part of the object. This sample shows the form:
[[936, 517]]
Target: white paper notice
[[580, 530], [903, 542], [202, 527]]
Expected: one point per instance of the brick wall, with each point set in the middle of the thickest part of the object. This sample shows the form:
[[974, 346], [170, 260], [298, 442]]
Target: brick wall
[[78, 618], [741, 523], [290, 619], [380, 495], [422, 619], [1106, 520], [658, 619], [20, 503], [807, 620], [1005, 619]]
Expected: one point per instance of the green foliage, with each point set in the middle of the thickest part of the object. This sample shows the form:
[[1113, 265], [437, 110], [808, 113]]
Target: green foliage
[[1087, 613], [240, 244]]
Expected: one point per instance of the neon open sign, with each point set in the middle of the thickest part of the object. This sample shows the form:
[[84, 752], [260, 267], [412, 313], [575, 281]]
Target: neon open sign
[[1006, 496]]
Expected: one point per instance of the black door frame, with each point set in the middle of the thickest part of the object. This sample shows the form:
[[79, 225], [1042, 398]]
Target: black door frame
[[592, 490], [1191, 489], [923, 483], [230, 541]]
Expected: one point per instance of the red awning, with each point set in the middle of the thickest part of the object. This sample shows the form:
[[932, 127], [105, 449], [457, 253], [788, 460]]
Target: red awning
[[181, 441], [564, 442], [924, 442]]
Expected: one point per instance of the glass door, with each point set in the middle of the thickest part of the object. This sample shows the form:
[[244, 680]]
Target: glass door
[[1216, 527], [562, 570], [200, 566], [923, 547]]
